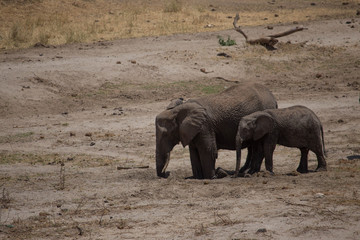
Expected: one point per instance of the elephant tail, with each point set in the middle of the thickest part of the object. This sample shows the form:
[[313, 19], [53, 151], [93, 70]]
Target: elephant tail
[[323, 143]]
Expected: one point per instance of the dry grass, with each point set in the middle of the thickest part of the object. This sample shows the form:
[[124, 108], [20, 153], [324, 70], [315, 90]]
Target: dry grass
[[26, 22]]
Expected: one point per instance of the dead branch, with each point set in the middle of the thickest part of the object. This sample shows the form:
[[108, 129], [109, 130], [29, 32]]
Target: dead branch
[[268, 41], [134, 167], [291, 31]]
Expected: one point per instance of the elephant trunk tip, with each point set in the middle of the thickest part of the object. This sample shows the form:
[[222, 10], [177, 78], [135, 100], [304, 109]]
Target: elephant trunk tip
[[161, 165]]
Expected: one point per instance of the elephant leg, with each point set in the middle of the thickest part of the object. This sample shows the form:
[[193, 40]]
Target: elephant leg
[[269, 149], [195, 162], [207, 161], [248, 160], [321, 161], [303, 166], [257, 158]]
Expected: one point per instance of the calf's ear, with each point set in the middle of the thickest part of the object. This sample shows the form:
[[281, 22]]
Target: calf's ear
[[263, 125]]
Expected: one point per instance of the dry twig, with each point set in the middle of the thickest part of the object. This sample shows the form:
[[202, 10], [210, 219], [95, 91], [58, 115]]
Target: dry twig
[[268, 41]]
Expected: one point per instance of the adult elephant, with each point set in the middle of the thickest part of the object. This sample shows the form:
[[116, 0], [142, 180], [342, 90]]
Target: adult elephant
[[207, 124]]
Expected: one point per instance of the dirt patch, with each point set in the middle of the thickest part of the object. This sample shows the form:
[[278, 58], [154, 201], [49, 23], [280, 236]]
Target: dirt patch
[[92, 107]]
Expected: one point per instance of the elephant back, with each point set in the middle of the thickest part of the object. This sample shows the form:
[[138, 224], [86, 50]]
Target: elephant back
[[239, 100], [227, 108]]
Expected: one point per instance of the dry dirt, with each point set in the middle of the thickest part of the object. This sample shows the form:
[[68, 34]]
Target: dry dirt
[[91, 107]]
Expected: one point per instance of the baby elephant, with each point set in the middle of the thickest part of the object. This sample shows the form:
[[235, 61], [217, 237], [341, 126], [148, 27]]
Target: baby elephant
[[295, 126]]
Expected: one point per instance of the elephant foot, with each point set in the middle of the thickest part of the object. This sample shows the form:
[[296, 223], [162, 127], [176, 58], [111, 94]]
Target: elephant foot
[[301, 170], [164, 175], [243, 170], [252, 171], [321, 169], [214, 177], [221, 173]]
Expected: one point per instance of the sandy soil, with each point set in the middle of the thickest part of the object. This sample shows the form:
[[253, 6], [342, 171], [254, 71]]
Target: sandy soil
[[77, 139]]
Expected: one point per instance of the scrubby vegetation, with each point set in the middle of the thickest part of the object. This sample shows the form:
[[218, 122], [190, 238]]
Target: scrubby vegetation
[[24, 23]]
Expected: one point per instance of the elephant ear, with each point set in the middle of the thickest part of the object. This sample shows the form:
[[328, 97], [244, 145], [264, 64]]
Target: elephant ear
[[263, 125], [191, 125]]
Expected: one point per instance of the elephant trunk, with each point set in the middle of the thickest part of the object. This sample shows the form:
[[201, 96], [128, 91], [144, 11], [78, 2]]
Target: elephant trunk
[[162, 161]]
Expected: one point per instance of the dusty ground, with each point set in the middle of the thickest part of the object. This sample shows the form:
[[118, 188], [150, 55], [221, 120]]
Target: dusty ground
[[92, 107]]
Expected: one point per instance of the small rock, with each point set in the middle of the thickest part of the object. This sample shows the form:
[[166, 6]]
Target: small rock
[[312, 4], [209, 26], [345, 3], [222, 54], [203, 70], [270, 27], [92, 143], [119, 110], [319, 195], [88, 134], [118, 62], [340, 121], [357, 12], [72, 134], [133, 61], [318, 75], [276, 15], [261, 230]]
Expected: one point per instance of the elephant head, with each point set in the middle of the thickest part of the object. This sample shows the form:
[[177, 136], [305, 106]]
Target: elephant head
[[179, 123], [252, 128]]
